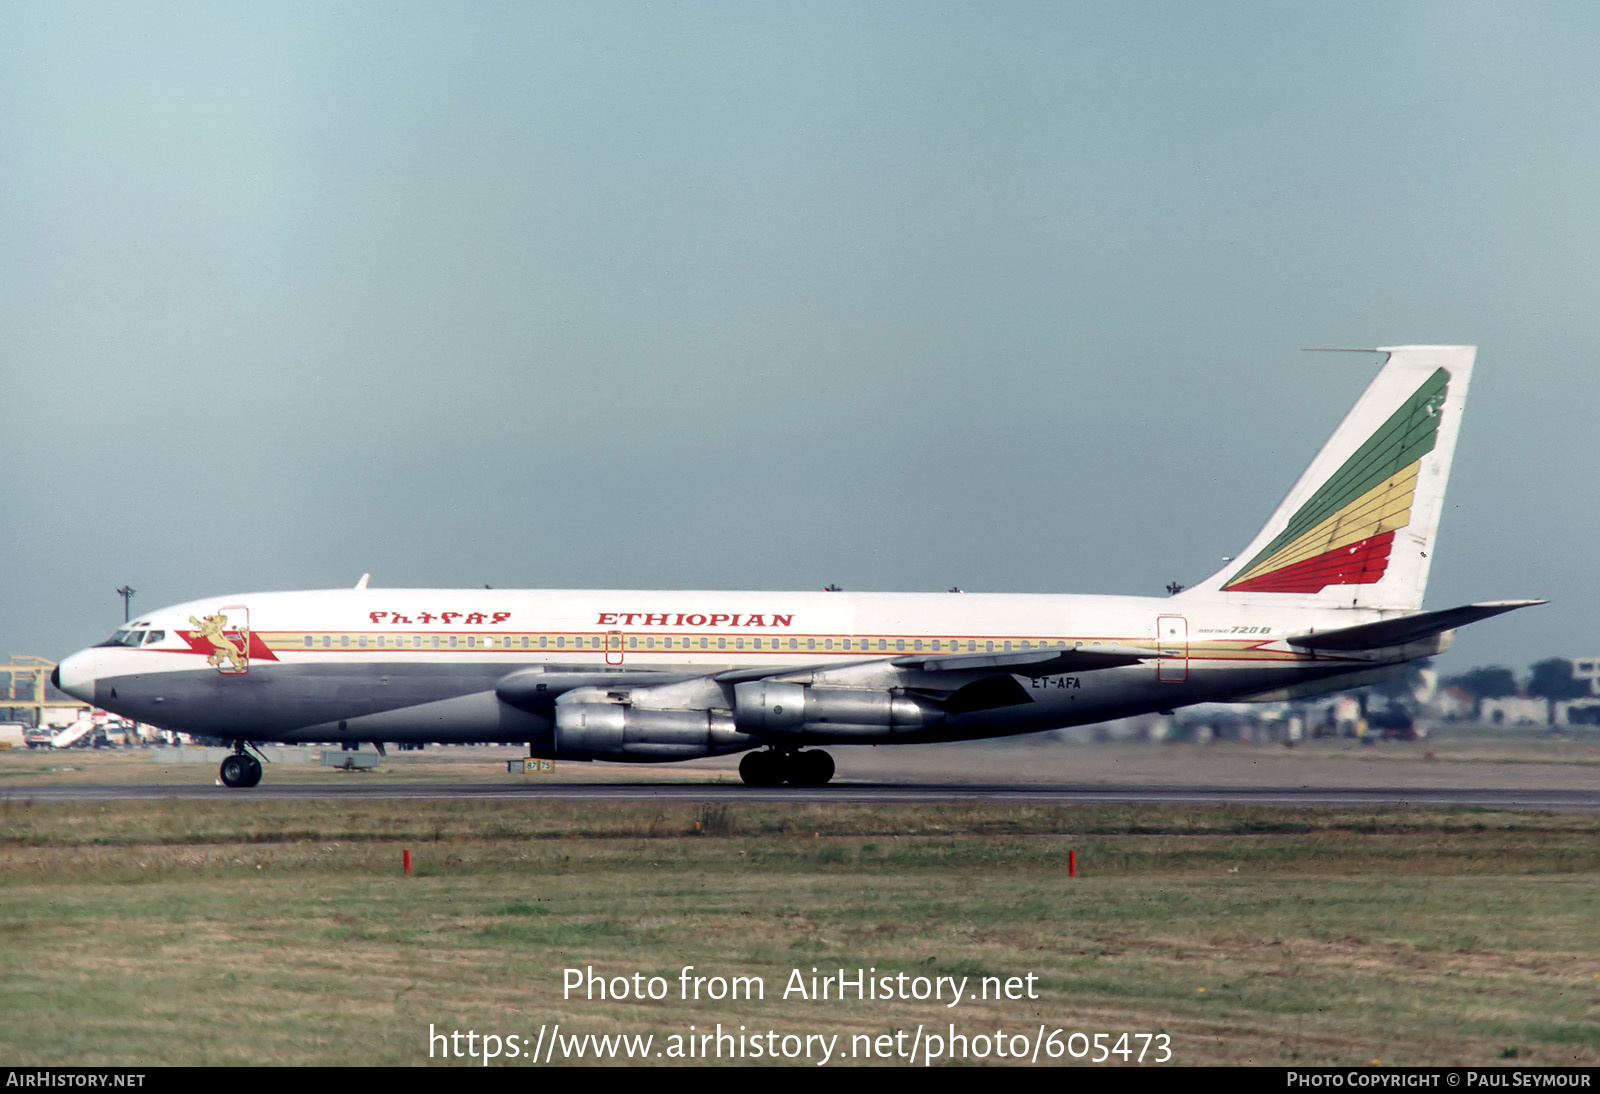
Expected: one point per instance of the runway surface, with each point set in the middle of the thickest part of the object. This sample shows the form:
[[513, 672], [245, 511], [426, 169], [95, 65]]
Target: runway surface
[[1566, 800]]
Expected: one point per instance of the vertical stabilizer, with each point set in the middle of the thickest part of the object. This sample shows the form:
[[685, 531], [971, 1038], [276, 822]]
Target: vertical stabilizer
[[1357, 530]]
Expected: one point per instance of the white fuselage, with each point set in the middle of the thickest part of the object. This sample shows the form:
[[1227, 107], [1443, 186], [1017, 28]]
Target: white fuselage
[[425, 664]]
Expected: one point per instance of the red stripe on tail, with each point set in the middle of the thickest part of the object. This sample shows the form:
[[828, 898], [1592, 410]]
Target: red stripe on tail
[[1361, 563]]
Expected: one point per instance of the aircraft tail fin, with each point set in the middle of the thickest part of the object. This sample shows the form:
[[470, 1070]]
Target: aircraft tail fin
[[1357, 530]]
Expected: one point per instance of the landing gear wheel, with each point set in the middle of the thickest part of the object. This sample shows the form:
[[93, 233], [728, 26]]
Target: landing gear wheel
[[762, 769], [812, 768], [240, 770], [235, 771]]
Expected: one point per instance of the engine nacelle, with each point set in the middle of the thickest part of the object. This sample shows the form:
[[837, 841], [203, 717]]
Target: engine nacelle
[[771, 707], [610, 730]]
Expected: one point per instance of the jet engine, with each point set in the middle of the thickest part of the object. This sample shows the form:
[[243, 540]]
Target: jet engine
[[593, 724], [808, 712]]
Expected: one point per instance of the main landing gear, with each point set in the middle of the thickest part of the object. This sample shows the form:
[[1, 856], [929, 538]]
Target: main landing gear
[[241, 769], [776, 766]]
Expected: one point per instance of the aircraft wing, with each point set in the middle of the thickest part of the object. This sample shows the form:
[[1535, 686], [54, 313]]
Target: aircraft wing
[[1041, 662], [765, 672], [1410, 628], [953, 683]]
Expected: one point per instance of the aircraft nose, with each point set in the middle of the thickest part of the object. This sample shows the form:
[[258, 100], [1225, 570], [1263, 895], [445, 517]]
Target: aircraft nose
[[75, 676]]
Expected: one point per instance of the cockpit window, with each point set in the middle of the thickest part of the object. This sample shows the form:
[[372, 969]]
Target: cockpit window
[[133, 636]]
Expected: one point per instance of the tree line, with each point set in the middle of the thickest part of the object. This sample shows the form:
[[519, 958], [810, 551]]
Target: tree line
[[1548, 679]]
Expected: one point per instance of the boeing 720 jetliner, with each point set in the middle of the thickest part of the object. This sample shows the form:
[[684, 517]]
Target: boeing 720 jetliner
[[1327, 596]]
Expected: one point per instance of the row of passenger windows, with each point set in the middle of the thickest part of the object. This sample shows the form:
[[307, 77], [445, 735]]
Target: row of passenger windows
[[652, 642]]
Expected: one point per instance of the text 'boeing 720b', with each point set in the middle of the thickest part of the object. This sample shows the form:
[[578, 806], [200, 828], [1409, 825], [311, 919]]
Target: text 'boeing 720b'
[[1327, 596]]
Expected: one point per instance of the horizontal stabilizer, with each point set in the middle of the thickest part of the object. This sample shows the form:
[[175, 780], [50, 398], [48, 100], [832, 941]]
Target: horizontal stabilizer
[[1044, 662], [1398, 632]]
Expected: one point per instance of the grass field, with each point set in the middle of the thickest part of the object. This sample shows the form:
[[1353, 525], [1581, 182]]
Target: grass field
[[257, 931]]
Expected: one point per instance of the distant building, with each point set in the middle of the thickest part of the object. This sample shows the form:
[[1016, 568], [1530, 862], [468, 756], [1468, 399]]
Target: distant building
[[1344, 717], [1588, 668], [1455, 704], [1576, 712], [1514, 711]]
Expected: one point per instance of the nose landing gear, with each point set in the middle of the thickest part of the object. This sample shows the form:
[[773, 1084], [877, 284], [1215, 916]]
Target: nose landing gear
[[241, 769], [776, 766]]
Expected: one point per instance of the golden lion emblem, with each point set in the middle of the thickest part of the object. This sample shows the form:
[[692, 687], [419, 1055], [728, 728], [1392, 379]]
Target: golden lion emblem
[[236, 655]]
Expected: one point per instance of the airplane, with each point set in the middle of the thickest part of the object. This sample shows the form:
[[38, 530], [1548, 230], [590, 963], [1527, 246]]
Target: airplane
[[1326, 597]]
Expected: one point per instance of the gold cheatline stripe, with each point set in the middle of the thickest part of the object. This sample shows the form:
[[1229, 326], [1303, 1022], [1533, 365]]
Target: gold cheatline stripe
[[1243, 648], [401, 641], [1384, 508]]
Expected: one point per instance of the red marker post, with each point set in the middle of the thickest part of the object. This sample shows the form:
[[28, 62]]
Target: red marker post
[[1072, 863], [405, 858]]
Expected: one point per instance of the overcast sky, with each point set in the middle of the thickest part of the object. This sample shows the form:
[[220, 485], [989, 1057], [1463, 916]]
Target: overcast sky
[[897, 296]]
